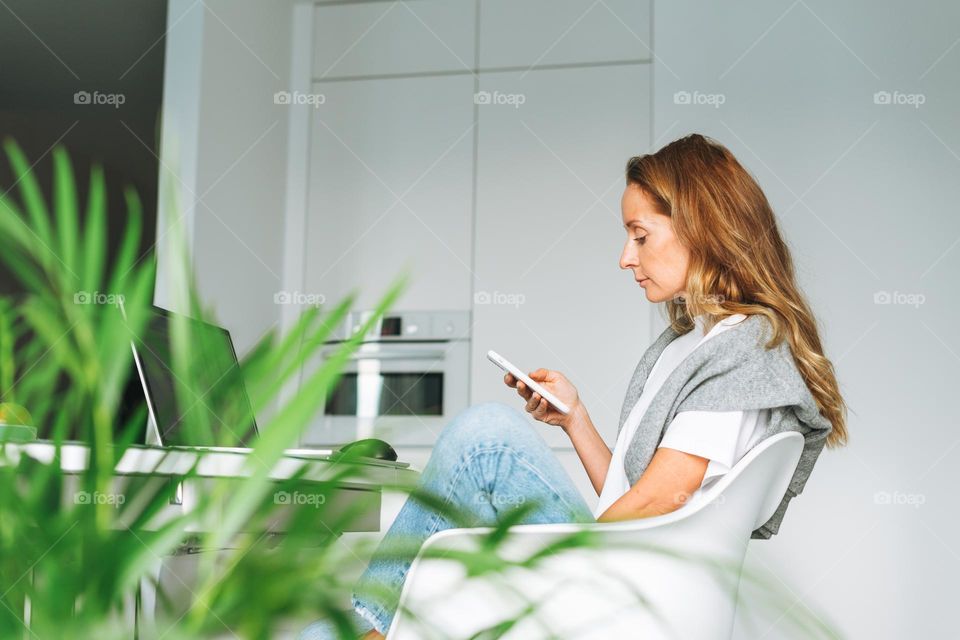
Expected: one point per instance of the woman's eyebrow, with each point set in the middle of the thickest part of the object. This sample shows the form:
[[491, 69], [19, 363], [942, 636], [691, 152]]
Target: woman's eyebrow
[[634, 223]]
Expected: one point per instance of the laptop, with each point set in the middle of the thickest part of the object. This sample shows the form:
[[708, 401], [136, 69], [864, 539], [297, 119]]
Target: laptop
[[217, 398]]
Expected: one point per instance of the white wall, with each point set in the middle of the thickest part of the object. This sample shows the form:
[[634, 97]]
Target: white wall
[[226, 141], [482, 200], [224, 167], [548, 289], [866, 197], [862, 192], [509, 209]]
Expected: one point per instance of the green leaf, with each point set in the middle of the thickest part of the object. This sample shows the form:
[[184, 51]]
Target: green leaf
[[95, 232], [127, 256], [7, 366], [66, 211], [33, 200]]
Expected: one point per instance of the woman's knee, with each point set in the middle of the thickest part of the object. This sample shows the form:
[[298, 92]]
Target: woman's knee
[[485, 422]]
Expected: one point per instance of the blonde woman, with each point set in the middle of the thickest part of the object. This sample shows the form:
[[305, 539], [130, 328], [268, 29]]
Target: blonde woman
[[741, 360]]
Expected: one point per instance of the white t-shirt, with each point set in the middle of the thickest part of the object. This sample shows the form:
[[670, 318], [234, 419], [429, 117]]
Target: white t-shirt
[[723, 437]]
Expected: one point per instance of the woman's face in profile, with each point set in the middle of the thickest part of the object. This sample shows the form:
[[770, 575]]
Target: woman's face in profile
[[652, 251]]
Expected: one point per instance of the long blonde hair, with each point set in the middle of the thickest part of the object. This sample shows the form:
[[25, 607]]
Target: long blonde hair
[[739, 262]]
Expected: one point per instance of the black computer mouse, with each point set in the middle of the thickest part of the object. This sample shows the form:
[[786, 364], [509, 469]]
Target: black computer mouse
[[371, 448]]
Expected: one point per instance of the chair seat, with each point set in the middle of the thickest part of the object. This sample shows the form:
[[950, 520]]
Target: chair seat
[[669, 576]]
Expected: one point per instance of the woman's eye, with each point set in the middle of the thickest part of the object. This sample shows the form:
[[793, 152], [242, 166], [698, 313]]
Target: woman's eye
[[640, 239]]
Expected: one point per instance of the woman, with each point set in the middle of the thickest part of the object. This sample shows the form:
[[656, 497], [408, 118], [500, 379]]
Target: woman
[[740, 361]]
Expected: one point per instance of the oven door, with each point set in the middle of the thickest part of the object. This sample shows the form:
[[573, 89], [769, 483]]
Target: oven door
[[401, 392]]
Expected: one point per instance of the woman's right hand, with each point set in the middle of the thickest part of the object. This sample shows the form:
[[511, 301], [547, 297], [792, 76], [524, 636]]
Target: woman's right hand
[[554, 382]]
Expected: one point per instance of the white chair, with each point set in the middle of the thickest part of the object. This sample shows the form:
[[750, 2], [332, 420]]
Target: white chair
[[669, 576]]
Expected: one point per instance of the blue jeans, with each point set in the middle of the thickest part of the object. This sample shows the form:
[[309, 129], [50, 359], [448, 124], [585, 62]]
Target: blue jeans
[[489, 459]]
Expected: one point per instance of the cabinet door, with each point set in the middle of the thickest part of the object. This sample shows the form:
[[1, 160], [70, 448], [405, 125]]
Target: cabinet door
[[549, 292], [391, 185], [375, 38], [545, 32]]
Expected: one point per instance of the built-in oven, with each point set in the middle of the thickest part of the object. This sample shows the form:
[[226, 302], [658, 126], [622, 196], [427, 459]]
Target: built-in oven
[[405, 382]]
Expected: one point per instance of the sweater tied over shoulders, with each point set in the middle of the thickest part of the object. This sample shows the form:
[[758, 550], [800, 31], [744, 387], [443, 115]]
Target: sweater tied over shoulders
[[733, 371]]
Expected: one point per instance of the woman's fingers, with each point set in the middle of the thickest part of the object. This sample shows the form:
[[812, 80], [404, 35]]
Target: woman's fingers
[[534, 401], [531, 402], [523, 390], [541, 409], [540, 375], [535, 405]]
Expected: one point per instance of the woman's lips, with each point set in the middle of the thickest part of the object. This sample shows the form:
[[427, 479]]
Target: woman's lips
[[643, 282]]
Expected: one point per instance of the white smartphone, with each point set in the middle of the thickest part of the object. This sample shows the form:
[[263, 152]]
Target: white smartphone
[[509, 367]]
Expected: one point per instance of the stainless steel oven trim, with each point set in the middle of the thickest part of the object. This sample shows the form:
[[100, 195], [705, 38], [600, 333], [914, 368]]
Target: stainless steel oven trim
[[449, 356]]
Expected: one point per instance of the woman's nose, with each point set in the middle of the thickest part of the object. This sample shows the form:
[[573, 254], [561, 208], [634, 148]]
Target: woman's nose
[[627, 261]]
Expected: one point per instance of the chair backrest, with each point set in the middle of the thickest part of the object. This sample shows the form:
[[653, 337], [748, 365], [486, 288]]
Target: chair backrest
[[670, 576], [761, 477]]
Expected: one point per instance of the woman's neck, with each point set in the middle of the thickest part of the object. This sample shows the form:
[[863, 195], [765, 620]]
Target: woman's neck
[[704, 323]]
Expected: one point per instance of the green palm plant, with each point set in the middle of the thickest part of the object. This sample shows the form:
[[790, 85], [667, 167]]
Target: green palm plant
[[70, 562], [71, 565]]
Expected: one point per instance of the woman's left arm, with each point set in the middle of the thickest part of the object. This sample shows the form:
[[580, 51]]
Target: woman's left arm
[[666, 484]]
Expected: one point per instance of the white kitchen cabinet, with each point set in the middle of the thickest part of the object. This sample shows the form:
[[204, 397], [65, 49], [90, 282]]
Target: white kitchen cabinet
[[545, 32], [372, 38], [390, 184], [545, 237], [549, 292]]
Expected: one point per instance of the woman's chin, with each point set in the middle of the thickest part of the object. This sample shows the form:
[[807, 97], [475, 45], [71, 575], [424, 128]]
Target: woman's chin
[[656, 296], [651, 292]]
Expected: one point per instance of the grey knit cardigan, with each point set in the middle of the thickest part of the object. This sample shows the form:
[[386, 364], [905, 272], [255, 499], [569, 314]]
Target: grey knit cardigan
[[731, 371]]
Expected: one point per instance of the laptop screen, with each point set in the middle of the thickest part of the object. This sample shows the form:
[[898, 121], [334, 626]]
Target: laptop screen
[[205, 402]]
